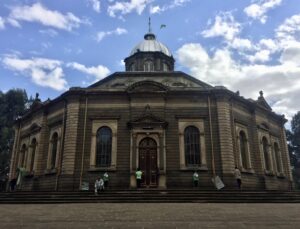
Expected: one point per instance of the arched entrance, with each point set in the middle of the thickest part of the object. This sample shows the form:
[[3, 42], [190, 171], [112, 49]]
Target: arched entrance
[[148, 162]]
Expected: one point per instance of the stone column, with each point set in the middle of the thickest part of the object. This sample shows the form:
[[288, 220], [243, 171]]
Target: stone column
[[162, 161], [133, 160], [14, 156], [71, 132], [42, 149], [225, 135]]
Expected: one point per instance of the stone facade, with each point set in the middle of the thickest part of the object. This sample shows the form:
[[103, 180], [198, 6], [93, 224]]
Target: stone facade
[[147, 116]]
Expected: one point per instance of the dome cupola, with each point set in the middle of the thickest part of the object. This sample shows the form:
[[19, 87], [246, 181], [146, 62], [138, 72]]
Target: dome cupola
[[150, 55]]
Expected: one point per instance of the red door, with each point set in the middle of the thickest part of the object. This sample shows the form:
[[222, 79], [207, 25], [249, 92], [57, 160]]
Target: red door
[[148, 162]]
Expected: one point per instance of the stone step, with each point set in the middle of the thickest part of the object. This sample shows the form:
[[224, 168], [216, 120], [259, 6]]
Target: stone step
[[148, 196]]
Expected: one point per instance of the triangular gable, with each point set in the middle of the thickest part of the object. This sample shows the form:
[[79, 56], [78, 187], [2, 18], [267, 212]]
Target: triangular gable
[[169, 79], [262, 102]]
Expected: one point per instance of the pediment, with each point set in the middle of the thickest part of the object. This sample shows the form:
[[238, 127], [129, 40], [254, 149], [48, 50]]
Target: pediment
[[147, 121], [147, 86], [34, 127], [262, 102]]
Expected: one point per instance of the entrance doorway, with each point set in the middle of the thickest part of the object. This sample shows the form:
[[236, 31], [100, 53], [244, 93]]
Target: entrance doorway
[[148, 162]]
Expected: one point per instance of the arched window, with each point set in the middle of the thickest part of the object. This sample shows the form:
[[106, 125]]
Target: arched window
[[277, 157], [148, 66], [265, 145], [33, 149], [165, 67], [243, 150], [192, 146], [22, 156], [103, 147], [132, 67], [54, 141]]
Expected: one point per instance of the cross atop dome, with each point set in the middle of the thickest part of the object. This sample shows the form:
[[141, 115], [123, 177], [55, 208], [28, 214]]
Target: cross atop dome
[[150, 55], [149, 35]]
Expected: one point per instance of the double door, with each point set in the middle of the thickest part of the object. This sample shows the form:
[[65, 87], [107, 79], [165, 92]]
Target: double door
[[148, 162]]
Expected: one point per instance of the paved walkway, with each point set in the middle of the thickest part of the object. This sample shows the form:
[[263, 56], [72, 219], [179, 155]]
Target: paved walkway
[[156, 216]]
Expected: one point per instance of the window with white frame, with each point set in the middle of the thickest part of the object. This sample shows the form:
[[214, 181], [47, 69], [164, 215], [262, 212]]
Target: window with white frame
[[192, 144], [104, 144], [103, 147]]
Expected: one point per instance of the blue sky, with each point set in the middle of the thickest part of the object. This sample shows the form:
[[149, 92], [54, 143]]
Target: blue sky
[[249, 45]]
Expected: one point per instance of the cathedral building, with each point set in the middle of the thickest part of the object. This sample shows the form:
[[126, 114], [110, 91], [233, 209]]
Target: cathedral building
[[165, 122]]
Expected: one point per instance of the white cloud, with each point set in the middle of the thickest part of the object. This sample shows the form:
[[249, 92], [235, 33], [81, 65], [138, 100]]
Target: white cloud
[[102, 34], [260, 56], [99, 72], [291, 55], [43, 72], [258, 10], [155, 9], [127, 7], [289, 31], [40, 14], [268, 44], [174, 3], [2, 26], [241, 44], [13, 22], [96, 4], [280, 83], [224, 26], [49, 32]]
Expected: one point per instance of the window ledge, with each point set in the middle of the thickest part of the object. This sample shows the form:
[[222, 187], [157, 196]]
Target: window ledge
[[280, 175], [193, 168], [269, 173], [50, 171], [249, 171], [96, 169], [29, 174]]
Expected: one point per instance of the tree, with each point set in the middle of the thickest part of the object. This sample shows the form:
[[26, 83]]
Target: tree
[[295, 124], [293, 138], [12, 105]]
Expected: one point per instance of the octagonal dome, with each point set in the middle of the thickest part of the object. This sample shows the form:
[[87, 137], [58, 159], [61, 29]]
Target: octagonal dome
[[150, 44]]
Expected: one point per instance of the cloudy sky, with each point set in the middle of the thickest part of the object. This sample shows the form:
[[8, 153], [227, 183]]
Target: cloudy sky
[[48, 46]]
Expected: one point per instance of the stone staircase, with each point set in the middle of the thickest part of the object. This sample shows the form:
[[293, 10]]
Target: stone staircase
[[151, 196]]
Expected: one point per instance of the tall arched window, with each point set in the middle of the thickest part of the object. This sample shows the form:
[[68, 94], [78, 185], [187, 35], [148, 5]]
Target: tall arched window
[[22, 156], [165, 67], [132, 67], [192, 146], [243, 149], [54, 141], [103, 147], [148, 66], [265, 145], [277, 157], [33, 149]]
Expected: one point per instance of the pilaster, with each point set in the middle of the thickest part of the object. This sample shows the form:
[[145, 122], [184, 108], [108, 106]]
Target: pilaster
[[225, 134], [70, 145]]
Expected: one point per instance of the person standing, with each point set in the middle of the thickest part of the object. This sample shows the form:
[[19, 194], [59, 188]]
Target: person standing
[[195, 179], [105, 179], [99, 185], [138, 176], [238, 177]]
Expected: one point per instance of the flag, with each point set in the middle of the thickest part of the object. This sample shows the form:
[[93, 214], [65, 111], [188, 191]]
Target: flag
[[162, 26]]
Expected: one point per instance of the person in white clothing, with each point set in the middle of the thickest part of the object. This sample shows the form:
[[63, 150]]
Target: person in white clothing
[[99, 185], [238, 177]]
